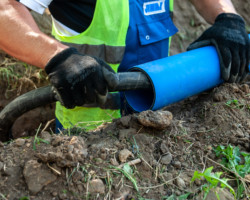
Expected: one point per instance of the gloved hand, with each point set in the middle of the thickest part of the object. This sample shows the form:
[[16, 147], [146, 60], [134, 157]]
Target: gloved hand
[[230, 38], [79, 79]]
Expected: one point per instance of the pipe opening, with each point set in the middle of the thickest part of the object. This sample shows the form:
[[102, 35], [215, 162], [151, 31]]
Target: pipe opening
[[141, 100]]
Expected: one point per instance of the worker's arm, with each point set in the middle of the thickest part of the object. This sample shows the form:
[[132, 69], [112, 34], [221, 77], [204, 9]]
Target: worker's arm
[[77, 78], [228, 35], [21, 37], [210, 9]]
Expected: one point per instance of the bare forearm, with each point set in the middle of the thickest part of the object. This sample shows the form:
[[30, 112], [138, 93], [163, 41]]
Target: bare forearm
[[21, 37], [210, 9]]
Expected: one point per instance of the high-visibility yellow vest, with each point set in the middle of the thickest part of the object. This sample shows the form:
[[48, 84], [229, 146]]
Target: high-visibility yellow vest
[[106, 39]]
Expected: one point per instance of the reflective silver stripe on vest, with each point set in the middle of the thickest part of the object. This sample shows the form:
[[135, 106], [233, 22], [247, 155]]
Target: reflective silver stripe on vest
[[110, 54]]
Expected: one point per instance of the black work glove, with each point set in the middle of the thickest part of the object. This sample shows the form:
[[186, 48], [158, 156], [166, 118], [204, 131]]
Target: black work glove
[[79, 79], [230, 38]]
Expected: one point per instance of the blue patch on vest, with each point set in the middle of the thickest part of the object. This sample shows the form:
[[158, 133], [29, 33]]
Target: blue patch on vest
[[154, 7]]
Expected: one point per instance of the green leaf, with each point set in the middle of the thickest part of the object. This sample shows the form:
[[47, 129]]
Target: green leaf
[[240, 191], [128, 169], [24, 198], [184, 196], [172, 197], [213, 179], [44, 141], [127, 173]]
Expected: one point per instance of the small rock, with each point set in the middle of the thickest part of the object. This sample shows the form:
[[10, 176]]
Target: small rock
[[54, 194], [180, 182], [164, 147], [155, 119], [114, 162], [28, 145], [124, 154], [125, 120], [96, 186], [177, 164], [37, 176], [46, 136], [103, 156], [20, 142], [165, 160]]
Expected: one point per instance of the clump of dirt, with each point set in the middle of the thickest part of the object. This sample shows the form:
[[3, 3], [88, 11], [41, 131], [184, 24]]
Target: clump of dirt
[[89, 165]]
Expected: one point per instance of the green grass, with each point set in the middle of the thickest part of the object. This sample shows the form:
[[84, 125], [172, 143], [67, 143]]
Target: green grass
[[235, 162], [38, 140], [234, 103]]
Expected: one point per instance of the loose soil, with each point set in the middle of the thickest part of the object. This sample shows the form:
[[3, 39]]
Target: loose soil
[[167, 146]]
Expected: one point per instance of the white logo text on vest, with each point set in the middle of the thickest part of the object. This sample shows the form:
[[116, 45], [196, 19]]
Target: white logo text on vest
[[154, 7]]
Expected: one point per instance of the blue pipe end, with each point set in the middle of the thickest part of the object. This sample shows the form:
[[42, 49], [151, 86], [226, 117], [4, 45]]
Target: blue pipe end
[[176, 78]]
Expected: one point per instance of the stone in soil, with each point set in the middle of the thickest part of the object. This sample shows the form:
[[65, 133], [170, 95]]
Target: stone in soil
[[155, 119], [46, 136], [165, 160], [124, 154], [180, 182], [20, 142], [96, 186], [37, 175]]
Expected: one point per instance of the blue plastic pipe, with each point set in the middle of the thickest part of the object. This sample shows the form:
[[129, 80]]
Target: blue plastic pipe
[[176, 77]]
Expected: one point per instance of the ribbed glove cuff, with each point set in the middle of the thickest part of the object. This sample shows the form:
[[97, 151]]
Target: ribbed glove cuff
[[230, 16], [59, 58]]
